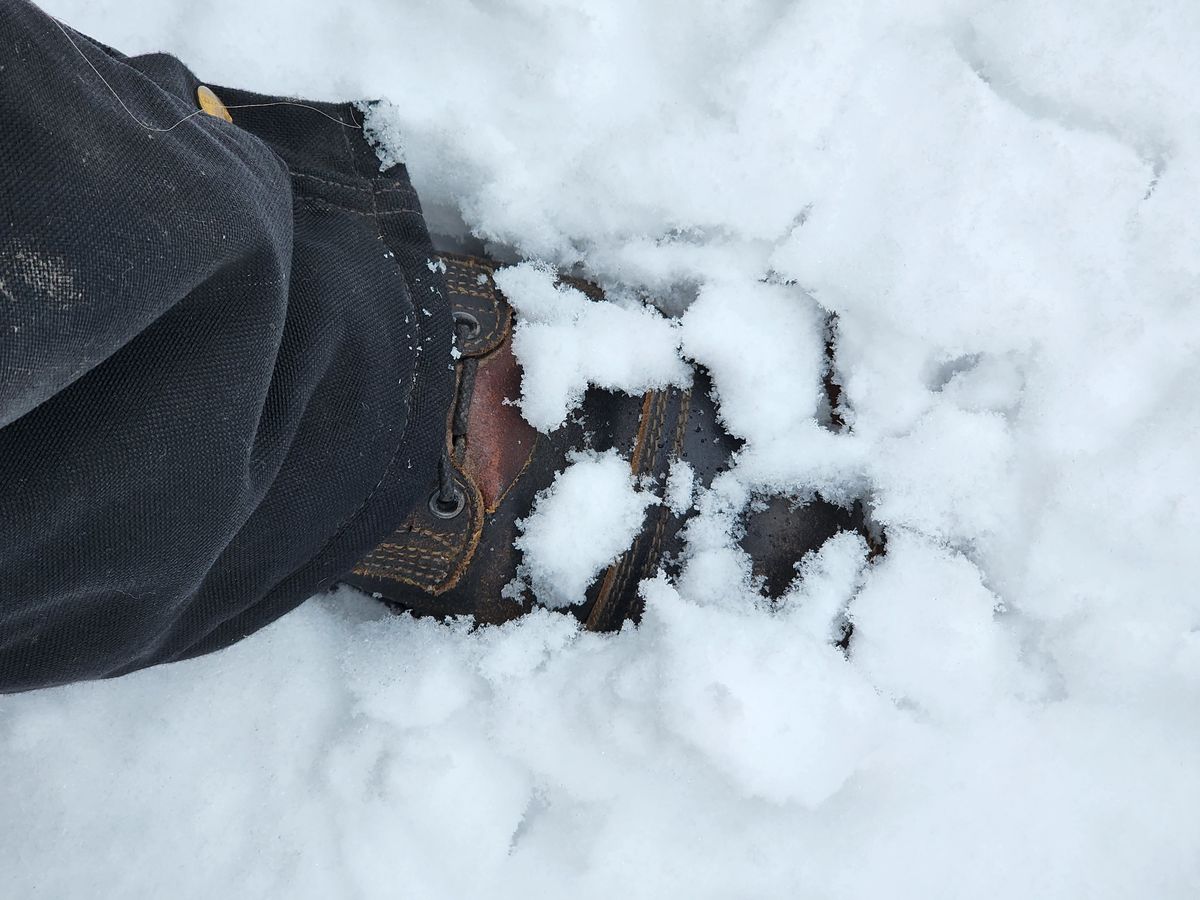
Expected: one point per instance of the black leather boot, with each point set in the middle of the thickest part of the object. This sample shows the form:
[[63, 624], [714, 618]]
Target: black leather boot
[[455, 554]]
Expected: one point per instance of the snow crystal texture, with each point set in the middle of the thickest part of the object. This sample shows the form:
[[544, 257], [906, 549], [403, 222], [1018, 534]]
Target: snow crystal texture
[[997, 202]]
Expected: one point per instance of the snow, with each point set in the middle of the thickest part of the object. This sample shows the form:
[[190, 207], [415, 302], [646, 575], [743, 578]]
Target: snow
[[763, 347], [997, 202], [579, 525], [681, 487], [564, 342]]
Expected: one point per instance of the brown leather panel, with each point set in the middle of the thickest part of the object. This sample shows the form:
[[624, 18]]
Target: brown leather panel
[[473, 290], [428, 552], [499, 440]]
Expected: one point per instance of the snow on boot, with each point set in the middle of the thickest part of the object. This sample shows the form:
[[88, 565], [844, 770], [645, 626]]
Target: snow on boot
[[457, 553]]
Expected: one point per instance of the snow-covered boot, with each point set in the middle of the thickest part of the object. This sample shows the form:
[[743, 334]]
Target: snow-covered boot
[[455, 554]]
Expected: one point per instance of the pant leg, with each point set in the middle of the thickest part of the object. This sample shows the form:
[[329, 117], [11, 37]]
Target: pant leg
[[224, 361]]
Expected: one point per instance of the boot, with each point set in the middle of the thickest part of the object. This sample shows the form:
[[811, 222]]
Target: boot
[[455, 554]]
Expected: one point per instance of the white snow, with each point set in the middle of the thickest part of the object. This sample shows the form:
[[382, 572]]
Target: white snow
[[586, 519], [681, 487], [998, 203], [565, 342]]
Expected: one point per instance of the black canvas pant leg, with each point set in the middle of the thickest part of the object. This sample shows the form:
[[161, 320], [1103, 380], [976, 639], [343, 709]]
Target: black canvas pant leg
[[224, 358]]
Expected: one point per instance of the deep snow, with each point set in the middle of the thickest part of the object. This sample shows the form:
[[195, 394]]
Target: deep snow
[[997, 200]]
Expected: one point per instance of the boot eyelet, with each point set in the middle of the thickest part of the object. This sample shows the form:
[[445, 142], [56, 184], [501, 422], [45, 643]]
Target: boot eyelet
[[462, 317], [444, 510]]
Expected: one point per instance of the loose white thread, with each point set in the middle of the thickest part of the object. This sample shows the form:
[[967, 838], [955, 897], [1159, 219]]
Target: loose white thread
[[198, 112]]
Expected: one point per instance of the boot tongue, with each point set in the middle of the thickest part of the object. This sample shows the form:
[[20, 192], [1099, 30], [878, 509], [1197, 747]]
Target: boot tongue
[[499, 441]]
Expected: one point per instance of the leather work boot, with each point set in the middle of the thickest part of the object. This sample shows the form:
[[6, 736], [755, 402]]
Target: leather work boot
[[455, 555]]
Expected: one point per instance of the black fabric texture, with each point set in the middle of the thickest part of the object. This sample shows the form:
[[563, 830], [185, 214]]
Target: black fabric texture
[[224, 358]]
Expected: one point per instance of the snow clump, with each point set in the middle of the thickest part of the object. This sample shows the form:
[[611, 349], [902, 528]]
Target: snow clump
[[586, 519], [565, 342]]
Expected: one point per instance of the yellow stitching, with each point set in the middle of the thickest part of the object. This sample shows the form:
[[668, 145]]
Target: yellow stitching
[[619, 578], [436, 545], [656, 430], [627, 567], [462, 559], [602, 597], [466, 274], [475, 498], [411, 555], [616, 581], [392, 542], [685, 407], [455, 261], [412, 579], [416, 560], [470, 288], [439, 536], [456, 293], [685, 402], [413, 570], [407, 562], [656, 543], [640, 435], [424, 552], [616, 576]]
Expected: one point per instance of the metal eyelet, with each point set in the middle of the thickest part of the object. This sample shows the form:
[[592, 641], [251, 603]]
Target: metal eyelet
[[447, 511], [461, 317]]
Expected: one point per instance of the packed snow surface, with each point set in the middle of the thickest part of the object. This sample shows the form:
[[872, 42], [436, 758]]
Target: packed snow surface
[[998, 201]]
